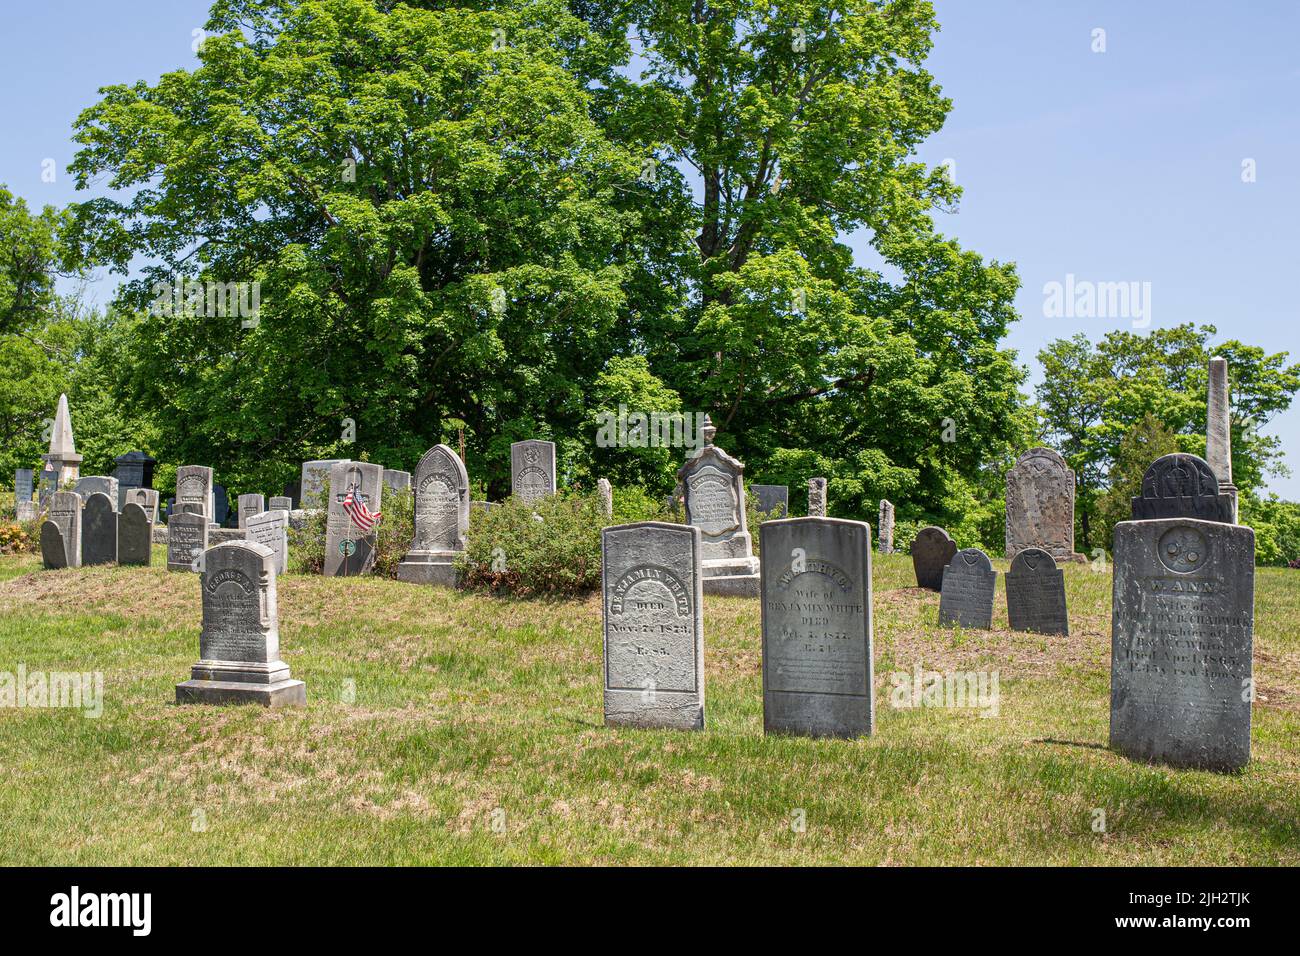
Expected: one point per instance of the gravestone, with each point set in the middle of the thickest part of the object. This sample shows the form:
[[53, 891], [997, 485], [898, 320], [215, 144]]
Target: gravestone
[[24, 484], [1218, 431], [1182, 632], [441, 489], [886, 519], [134, 536], [1182, 486], [65, 511], [652, 590], [293, 491], [1040, 505], [187, 538], [135, 470], [280, 503], [772, 500], [271, 529], [194, 487], [532, 469], [969, 585], [26, 510], [396, 480], [49, 484], [606, 492], [817, 627], [54, 553], [221, 506], [816, 497], [932, 549], [350, 549], [239, 647], [314, 476], [101, 484], [250, 505], [1036, 594], [99, 530], [714, 485], [146, 498]]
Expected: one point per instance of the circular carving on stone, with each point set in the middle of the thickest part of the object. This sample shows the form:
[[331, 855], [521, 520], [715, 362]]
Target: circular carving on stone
[[1182, 549]]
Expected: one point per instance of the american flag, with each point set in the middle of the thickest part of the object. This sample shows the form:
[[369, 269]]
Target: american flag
[[361, 516]]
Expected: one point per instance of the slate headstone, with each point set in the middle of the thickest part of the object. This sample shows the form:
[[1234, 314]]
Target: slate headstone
[[314, 476], [134, 536], [817, 627], [886, 519], [65, 511], [1182, 486], [102, 484], [187, 538], [24, 484], [932, 549], [220, 505], [135, 470], [54, 553], [969, 585], [271, 529], [441, 488], [146, 498], [1182, 635], [396, 480], [1036, 594], [652, 588], [250, 505], [98, 530], [349, 550], [714, 487], [816, 497], [239, 647], [1040, 504], [194, 487], [772, 500], [532, 469]]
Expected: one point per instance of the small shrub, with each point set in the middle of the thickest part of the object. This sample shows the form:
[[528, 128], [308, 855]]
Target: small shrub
[[307, 544], [14, 539], [395, 532], [548, 548]]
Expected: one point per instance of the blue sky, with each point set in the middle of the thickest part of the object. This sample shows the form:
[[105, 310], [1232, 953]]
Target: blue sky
[[1115, 166]]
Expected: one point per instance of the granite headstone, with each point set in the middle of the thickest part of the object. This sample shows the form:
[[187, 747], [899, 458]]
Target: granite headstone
[[714, 485], [886, 519], [532, 469], [773, 500], [250, 505], [441, 489], [65, 511], [349, 549], [271, 529], [102, 484], [99, 530], [187, 538]]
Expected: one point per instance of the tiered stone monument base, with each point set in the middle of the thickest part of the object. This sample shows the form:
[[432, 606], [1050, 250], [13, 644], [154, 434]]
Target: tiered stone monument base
[[241, 682], [429, 567], [733, 577]]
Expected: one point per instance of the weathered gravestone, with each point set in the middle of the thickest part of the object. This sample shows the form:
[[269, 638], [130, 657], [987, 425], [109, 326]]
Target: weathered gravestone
[[1036, 594], [350, 547], [239, 648], [271, 529], [441, 488], [1182, 632], [1181, 485], [221, 505], [49, 484], [966, 595], [651, 582], [396, 480], [146, 498], [606, 492], [99, 530], [187, 539], [280, 503], [1040, 505], [26, 510], [714, 485], [932, 549], [65, 511], [816, 497], [54, 553], [1218, 431], [532, 469], [314, 476], [194, 487], [817, 637], [886, 541], [24, 479], [772, 500], [250, 505], [98, 484], [134, 536]]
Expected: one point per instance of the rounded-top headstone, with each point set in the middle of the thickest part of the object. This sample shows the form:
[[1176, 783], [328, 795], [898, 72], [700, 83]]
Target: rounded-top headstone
[[967, 591], [1182, 486], [932, 549], [1036, 594]]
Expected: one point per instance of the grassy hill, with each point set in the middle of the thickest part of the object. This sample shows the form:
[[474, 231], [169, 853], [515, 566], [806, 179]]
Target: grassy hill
[[451, 728]]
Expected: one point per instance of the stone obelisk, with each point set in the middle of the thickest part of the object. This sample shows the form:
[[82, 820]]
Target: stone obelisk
[[63, 456], [1218, 431]]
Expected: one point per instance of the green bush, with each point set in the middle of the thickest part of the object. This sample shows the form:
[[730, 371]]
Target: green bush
[[394, 535]]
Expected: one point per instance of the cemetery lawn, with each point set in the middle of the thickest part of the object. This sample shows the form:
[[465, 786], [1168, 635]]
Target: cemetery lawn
[[474, 736]]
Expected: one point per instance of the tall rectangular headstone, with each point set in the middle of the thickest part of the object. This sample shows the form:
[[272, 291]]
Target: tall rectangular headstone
[[817, 627], [314, 476], [1182, 635], [194, 487], [250, 505], [101, 484], [969, 586], [134, 536], [395, 480], [714, 487], [1040, 505], [350, 549], [24, 484], [441, 519], [146, 498], [886, 540], [606, 493], [652, 590], [1218, 431], [271, 529], [239, 647], [280, 503], [816, 497], [49, 484], [187, 538], [772, 500], [1036, 594], [99, 530], [532, 469], [65, 511]]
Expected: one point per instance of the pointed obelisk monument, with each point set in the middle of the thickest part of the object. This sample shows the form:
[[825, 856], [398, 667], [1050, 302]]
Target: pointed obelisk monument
[[63, 457], [1218, 431]]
